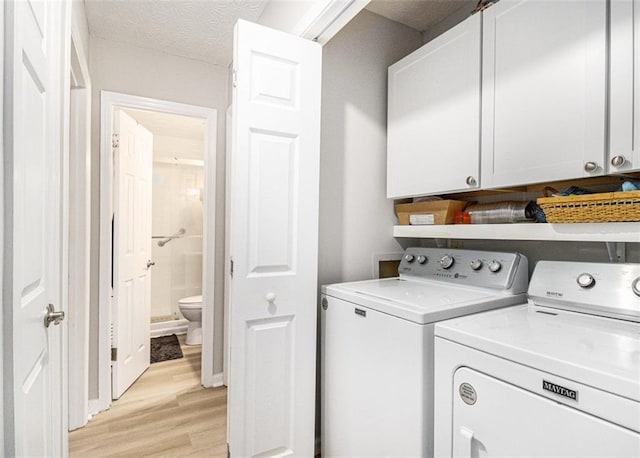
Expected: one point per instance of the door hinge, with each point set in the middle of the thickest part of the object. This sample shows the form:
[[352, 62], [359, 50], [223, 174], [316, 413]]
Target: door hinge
[[234, 78], [483, 5], [115, 140], [114, 354], [231, 268]]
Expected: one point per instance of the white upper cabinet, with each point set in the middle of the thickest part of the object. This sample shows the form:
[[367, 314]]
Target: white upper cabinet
[[624, 115], [543, 91], [434, 115]]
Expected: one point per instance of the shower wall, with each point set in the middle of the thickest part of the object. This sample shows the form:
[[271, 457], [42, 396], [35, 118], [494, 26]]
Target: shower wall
[[177, 204]]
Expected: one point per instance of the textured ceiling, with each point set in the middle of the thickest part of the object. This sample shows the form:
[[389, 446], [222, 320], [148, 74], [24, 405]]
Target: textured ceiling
[[417, 14], [197, 29], [169, 125]]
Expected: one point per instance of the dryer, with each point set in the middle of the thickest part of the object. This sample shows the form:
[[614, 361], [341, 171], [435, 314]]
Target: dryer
[[377, 345], [558, 376]]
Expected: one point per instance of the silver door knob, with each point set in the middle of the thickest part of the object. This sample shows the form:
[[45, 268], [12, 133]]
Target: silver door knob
[[52, 316], [150, 263], [618, 161], [590, 166], [471, 181]]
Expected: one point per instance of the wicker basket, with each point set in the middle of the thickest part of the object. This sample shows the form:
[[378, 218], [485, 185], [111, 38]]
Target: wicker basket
[[592, 208]]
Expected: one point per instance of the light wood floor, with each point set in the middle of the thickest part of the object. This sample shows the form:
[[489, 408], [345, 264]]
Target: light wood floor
[[165, 413]]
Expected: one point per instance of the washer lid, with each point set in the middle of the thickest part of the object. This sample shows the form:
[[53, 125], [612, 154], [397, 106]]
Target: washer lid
[[421, 301], [600, 352]]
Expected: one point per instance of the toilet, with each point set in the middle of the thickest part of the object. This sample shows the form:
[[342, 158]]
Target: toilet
[[191, 309]]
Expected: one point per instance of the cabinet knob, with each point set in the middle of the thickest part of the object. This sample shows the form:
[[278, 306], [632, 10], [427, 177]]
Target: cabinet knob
[[618, 161], [471, 181], [590, 166]]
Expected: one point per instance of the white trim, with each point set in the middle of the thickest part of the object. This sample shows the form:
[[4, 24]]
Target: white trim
[[166, 328], [109, 101], [80, 233], [327, 18], [3, 451], [217, 380], [65, 241]]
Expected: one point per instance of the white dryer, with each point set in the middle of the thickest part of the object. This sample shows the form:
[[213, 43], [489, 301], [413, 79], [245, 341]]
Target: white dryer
[[559, 376], [377, 345]]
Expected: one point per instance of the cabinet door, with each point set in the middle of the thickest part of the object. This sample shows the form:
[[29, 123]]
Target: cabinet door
[[434, 115], [624, 117], [543, 91]]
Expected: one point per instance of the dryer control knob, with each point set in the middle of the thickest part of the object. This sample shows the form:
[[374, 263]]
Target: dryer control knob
[[586, 280], [494, 266], [409, 257], [635, 286], [421, 259], [476, 264], [447, 261]]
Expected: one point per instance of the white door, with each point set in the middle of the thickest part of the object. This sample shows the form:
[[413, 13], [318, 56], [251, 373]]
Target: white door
[[274, 242], [543, 91], [132, 251], [434, 115], [32, 259], [624, 115], [501, 420]]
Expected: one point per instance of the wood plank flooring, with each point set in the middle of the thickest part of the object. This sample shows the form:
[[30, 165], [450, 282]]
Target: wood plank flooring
[[165, 413]]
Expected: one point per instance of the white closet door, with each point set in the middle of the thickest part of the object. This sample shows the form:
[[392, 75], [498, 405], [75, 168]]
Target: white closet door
[[434, 115], [34, 371], [274, 242], [543, 91], [624, 115], [132, 248]]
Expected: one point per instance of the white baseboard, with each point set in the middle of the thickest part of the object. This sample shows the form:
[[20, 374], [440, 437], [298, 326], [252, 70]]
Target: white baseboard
[[217, 380], [96, 406], [166, 328]]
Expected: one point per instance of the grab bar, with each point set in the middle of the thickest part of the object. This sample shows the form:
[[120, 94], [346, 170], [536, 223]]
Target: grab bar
[[167, 238]]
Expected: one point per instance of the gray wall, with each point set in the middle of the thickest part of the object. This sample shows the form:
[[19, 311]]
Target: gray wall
[[124, 68], [356, 218]]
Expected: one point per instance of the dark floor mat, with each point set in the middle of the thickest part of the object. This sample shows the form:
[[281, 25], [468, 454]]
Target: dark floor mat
[[165, 348]]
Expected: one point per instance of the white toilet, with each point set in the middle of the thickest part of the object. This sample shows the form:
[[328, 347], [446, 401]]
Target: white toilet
[[191, 309]]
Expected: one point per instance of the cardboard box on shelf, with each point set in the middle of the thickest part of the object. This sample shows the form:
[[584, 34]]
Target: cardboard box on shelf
[[430, 212]]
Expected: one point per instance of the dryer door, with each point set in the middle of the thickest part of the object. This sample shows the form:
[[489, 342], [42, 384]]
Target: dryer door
[[494, 418]]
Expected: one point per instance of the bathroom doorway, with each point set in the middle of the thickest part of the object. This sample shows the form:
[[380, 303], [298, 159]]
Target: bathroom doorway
[[180, 235]]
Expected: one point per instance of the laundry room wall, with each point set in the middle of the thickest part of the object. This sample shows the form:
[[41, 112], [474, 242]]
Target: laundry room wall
[[128, 69], [356, 218]]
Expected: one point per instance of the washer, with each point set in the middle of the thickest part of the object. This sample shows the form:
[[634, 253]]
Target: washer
[[377, 345], [558, 376]]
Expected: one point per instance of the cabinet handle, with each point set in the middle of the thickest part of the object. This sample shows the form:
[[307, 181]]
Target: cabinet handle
[[618, 161], [471, 181], [590, 166]]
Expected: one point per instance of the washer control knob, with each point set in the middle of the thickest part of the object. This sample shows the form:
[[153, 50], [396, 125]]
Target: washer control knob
[[476, 264], [446, 261], [421, 259], [409, 257], [494, 266], [586, 280], [635, 286]]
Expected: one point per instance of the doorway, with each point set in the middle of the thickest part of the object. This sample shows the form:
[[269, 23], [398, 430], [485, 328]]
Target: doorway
[[154, 113]]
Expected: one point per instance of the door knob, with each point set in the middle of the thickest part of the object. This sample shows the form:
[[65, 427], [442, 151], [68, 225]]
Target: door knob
[[270, 297], [52, 316], [150, 263], [618, 161], [471, 181], [590, 166]]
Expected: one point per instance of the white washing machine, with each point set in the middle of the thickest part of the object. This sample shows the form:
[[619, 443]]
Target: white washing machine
[[377, 345], [559, 376]]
